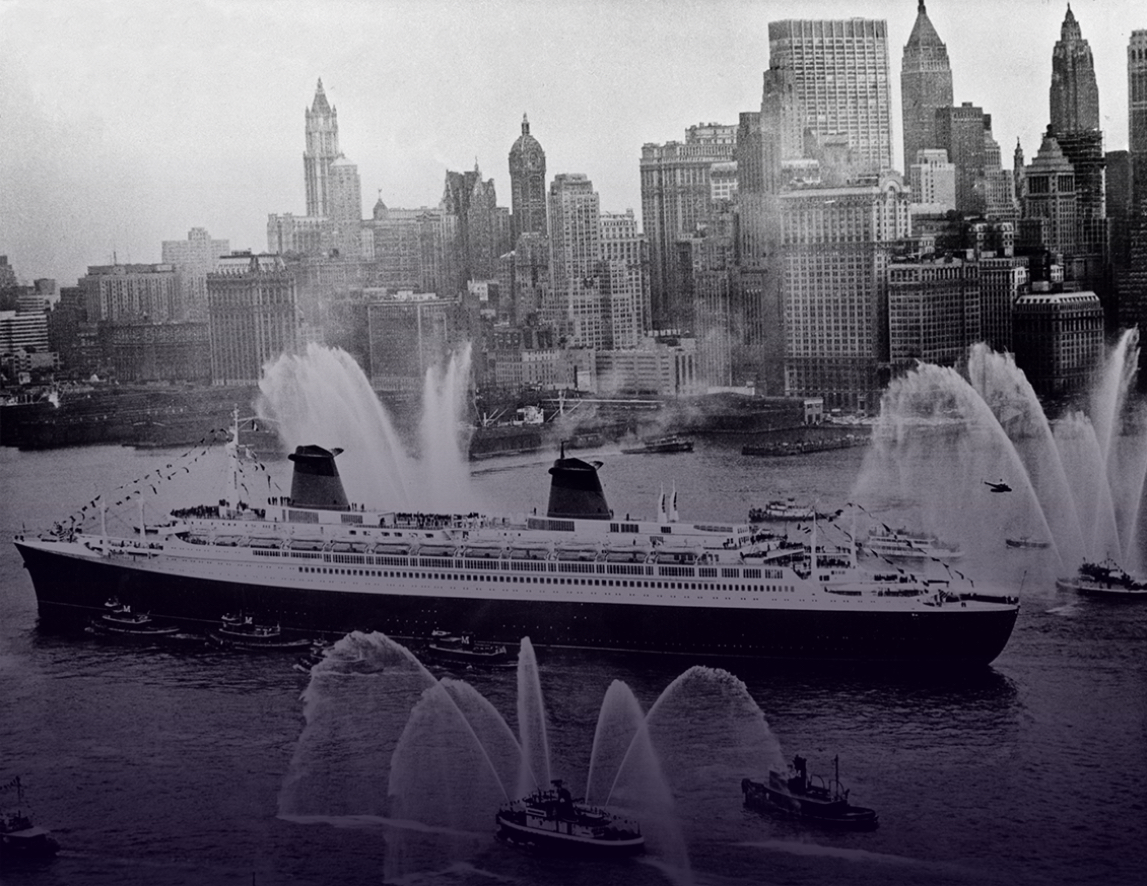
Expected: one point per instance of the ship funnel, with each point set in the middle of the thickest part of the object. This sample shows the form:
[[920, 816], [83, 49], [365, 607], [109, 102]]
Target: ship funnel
[[575, 491], [316, 482]]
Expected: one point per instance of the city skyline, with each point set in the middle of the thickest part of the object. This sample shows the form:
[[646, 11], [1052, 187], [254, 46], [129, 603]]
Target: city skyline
[[128, 125]]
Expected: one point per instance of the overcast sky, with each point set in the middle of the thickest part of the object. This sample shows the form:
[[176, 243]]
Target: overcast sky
[[127, 123]]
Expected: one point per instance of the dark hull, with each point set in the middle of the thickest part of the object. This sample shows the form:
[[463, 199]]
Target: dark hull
[[553, 842], [839, 815], [69, 588]]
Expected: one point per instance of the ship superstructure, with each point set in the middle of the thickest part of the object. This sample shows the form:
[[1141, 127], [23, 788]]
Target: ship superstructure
[[575, 576]]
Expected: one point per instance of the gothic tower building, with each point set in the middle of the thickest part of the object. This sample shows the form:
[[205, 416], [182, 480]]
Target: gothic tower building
[[322, 150], [527, 185], [925, 85], [1074, 94], [1074, 105]]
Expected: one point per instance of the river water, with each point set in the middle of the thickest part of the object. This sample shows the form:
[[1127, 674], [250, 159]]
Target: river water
[[192, 766]]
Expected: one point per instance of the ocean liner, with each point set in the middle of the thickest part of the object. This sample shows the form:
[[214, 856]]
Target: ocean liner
[[575, 576]]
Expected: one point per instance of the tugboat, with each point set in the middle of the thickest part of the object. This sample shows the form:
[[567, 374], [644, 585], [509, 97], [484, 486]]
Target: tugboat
[[798, 795], [553, 821], [19, 838], [242, 632], [1106, 579], [1026, 541], [461, 649], [120, 621], [657, 445]]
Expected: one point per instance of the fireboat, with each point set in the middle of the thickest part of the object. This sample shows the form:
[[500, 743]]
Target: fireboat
[[552, 821]]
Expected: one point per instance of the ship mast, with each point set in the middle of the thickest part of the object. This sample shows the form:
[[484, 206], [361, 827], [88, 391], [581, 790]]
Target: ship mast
[[233, 460]]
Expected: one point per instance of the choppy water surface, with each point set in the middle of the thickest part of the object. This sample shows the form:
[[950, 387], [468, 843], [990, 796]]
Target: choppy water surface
[[191, 766]]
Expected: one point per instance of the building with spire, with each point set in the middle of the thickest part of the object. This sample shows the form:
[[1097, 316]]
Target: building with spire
[[925, 85], [322, 133], [1074, 94], [1074, 121], [527, 185]]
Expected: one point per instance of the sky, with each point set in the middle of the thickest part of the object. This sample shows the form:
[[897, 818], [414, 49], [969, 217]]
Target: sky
[[123, 124]]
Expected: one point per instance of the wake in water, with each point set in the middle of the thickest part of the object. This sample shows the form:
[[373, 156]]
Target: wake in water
[[323, 397]]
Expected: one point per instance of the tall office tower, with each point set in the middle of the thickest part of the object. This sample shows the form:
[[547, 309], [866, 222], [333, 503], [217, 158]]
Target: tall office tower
[[194, 258], [575, 303], [960, 132], [1137, 112], [837, 82], [1074, 94], [708, 263], [999, 183], [480, 238], [527, 186], [625, 278], [834, 260], [252, 314], [933, 311], [1050, 202], [676, 196], [925, 86], [1003, 279], [1074, 105], [346, 207], [322, 150]]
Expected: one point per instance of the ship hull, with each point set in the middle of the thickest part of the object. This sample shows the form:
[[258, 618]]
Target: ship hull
[[72, 588]]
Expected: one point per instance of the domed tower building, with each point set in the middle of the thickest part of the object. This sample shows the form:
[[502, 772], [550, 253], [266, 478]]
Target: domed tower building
[[527, 185]]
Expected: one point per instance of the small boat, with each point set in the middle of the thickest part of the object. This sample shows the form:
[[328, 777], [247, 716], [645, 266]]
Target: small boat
[[316, 654], [797, 794], [242, 632], [1106, 579], [788, 511], [1026, 541], [903, 544], [120, 621], [651, 445], [19, 837], [453, 650], [553, 821]]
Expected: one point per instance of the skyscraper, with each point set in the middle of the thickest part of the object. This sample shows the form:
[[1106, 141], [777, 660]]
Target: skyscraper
[[624, 278], [345, 206], [836, 76], [1074, 94], [834, 260], [527, 185], [322, 150], [1074, 105], [1137, 111], [676, 196], [194, 258], [960, 132], [575, 250], [925, 85]]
